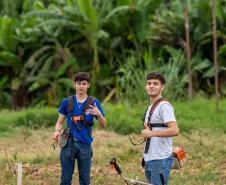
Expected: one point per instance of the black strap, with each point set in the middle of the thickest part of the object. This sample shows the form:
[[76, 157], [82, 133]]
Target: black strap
[[72, 140], [86, 106], [148, 140], [71, 109], [158, 125], [86, 123], [70, 104], [144, 116]]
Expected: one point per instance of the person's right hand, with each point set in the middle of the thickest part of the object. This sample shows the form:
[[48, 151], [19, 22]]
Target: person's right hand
[[56, 135]]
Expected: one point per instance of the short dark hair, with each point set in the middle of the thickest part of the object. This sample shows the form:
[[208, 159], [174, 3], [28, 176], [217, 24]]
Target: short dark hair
[[80, 76], [156, 75]]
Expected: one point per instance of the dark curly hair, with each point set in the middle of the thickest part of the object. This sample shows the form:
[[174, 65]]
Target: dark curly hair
[[80, 76], [156, 75]]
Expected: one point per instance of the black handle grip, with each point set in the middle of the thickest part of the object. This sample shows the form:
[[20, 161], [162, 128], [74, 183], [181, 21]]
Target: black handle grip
[[162, 178], [115, 165]]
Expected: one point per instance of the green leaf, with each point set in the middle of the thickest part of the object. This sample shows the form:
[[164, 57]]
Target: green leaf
[[63, 68], [10, 57], [43, 14], [39, 5], [203, 64], [211, 72], [123, 2], [34, 86], [102, 34], [222, 55], [117, 11], [3, 82], [38, 53], [89, 13], [58, 23], [38, 84], [67, 82], [6, 34]]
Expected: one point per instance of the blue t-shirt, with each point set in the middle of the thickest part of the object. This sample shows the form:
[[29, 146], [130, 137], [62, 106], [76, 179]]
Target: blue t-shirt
[[81, 135]]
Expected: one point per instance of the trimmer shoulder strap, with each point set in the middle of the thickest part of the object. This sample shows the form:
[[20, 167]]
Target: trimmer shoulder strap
[[144, 116], [86, 106], [88, 102], [70, 105], [153, 125], [152, 109], [71, 109], [156, 104]]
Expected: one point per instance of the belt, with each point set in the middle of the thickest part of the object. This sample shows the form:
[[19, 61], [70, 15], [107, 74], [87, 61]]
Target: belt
[[74, 138]]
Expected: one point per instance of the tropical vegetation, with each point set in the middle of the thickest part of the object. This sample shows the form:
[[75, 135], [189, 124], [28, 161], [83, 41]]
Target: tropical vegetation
[[43, 43]]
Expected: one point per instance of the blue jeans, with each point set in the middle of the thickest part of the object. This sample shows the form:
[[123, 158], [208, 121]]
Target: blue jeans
[[83, 153], [153, 167]]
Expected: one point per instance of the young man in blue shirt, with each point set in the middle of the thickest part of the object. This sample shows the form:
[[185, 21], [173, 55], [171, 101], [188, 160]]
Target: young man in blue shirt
[[82, 150]]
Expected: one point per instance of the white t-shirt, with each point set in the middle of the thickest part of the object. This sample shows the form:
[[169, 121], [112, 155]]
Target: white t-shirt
[[160, 147]]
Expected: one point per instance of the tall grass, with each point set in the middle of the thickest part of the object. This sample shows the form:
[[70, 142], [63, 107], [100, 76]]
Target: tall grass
[[131, 76], [125, 119], [30, 118], [198, 115]]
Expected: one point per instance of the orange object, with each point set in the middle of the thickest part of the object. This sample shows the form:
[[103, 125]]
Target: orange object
[[77, 118], [112, 164], [179, 153]]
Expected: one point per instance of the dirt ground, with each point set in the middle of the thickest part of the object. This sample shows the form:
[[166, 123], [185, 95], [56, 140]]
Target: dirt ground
[[41, 164]]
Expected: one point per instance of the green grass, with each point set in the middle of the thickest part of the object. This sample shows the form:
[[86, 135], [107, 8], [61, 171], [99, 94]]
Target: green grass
[[124, 119], [198, 115], [28, 118], [26, 136]]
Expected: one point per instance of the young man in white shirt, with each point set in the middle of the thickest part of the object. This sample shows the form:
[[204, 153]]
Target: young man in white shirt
[[158, 153]]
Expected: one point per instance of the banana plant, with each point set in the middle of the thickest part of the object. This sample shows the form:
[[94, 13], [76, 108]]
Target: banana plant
[[78, 16], [9, 54]]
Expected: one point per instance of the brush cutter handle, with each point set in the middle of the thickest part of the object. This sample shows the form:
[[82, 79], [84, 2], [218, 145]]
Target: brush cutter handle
[[115, 165], [162, 178]]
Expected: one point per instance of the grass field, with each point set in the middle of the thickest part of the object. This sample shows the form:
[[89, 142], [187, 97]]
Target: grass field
[[26, 137], [41, 164]]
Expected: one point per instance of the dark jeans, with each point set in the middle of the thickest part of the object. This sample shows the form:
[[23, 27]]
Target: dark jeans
[[153, 167], [83, 153]]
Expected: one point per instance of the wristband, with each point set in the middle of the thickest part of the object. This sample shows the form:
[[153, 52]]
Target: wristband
[[57, 130]]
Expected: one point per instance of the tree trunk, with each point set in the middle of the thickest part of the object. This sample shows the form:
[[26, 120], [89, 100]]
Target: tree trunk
[[19, 98]]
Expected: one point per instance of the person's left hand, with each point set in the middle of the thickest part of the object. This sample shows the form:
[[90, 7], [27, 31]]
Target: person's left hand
[[94, 111], [146, 133]]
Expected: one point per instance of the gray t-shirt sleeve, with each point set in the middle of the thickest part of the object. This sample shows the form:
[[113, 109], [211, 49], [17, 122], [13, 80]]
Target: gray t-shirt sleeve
[[167, 112]]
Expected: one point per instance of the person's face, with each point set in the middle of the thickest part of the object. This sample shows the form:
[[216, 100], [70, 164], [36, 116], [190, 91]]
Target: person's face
[[81, 86], [154, 87]]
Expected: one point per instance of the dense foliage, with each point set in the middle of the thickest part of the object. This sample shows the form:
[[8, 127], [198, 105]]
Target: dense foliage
[[43, 43]]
